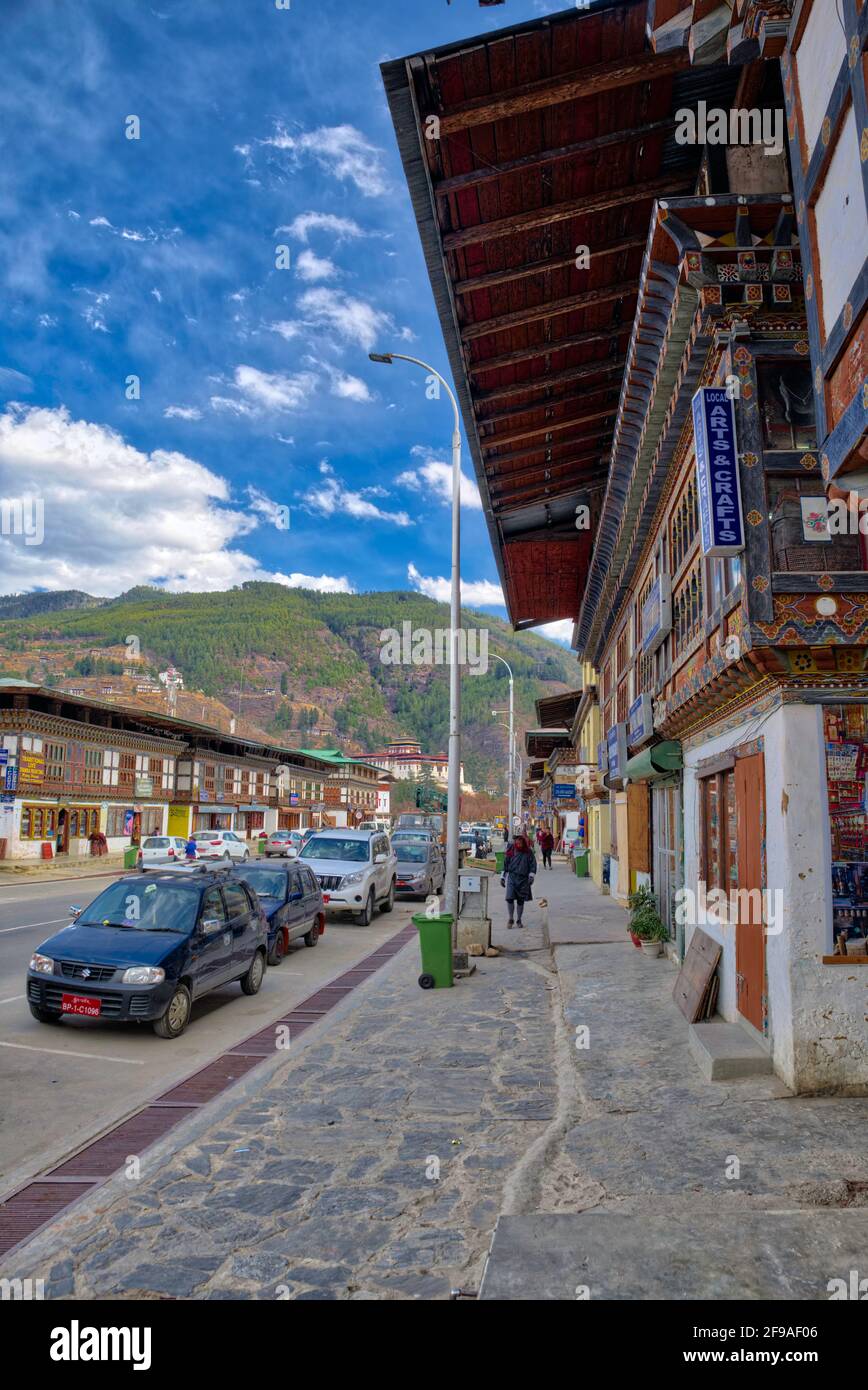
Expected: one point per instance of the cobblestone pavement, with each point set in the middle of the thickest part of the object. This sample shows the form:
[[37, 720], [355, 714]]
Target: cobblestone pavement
[[374, 1164], [326, 1185]]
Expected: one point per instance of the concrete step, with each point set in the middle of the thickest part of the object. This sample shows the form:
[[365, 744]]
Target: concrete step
[[725, 1052], [731, 1254]]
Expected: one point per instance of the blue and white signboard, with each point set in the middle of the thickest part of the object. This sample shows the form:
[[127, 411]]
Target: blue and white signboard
[[640, 721], [564, 791], [616, 740], [717, 482], [4, 757], [657, 614], [11, 779]]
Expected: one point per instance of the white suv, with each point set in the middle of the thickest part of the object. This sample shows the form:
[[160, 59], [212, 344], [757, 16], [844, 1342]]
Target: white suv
[[356, 870], [220, 844]]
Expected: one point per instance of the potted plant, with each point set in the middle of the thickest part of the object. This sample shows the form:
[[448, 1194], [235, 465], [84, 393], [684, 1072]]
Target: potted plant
[[645, 925]]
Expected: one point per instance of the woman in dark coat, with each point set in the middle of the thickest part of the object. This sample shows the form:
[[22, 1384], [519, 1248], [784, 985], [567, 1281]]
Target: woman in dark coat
[[518, 875]]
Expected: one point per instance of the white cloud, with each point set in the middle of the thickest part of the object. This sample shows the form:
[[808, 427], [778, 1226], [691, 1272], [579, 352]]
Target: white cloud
[[434, 477], [341, 151], [560, 631], [93, 313], [349, 388], [267, 391], [330, 497], [115, 515], [478, 594], [341, 228], [47, 321], [261, 505], [182, 412], [324, 584], [353, 320], [157, 296], [310, 266]]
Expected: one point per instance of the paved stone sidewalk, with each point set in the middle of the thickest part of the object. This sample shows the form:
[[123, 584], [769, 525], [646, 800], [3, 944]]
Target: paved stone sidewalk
[[325, 1185]]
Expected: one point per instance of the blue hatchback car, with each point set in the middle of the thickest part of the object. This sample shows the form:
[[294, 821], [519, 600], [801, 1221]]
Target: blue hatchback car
[[146, 948], [292, 901]]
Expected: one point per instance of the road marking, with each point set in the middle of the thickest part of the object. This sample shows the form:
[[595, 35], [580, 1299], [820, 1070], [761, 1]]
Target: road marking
[[12, 999], [61, 1052], [28, 925]]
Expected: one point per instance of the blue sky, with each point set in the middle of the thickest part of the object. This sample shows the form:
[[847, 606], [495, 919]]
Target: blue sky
[[156, 258]]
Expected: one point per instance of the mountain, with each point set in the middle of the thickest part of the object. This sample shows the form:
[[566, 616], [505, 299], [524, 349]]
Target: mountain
[[303, 667], [28, 605]]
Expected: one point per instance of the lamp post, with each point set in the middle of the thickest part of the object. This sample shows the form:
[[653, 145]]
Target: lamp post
[[454, 783], [510, 796]]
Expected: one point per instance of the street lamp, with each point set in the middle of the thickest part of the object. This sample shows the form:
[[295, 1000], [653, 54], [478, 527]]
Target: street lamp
[[510, 797], [454, 783]]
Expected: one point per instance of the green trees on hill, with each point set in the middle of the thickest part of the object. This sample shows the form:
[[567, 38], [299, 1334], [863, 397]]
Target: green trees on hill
[[327, 645]]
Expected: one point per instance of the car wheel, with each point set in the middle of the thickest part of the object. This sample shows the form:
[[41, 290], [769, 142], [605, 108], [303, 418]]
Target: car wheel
[[227, 856], [173, 1022], [278, 950], [312, 937], [44, 1015], [364, 917], [245, 856], [390, 901], [251, 983]]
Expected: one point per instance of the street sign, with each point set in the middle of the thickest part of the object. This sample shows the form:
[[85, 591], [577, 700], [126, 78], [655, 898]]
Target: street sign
[[4, 756], [640, 721], [616, 742], [564, 791], [11, 779], [717, 480]]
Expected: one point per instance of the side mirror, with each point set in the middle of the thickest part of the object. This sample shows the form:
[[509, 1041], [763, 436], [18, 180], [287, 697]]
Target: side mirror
[[211, 925], [296, 897], [380, 858], [75, 911]]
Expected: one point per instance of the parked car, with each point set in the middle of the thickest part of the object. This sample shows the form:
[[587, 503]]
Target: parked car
[[284, 842], [356, 870], [145, 949], [291, 899], [420, 870], [158, 850], [220, 844]]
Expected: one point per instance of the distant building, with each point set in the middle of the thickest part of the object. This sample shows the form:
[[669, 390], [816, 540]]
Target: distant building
[[407, 763]]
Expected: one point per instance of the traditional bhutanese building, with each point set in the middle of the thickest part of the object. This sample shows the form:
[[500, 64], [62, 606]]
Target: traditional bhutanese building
[[645, 226]]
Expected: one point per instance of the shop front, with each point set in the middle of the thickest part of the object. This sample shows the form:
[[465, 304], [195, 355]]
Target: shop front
[[213, 817]]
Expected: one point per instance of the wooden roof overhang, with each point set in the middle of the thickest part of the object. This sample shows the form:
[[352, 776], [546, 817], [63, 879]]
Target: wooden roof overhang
[[556, 710], [739, 30], [519, 147], [672, 334], [541, 743]]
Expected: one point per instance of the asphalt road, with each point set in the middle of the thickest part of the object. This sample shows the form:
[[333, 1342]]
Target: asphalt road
[[60, 1086]]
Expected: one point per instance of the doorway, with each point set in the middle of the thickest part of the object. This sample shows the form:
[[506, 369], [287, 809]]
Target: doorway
[[750, 955], [668, 856]]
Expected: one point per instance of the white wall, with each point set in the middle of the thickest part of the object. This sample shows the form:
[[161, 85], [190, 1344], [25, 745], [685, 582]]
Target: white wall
[[816, 1012]]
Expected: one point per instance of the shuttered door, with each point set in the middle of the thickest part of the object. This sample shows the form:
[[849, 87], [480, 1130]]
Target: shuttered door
[[750, 934]]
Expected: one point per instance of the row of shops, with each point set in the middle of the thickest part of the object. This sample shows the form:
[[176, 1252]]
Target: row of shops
[[662, 432], [76, 772]]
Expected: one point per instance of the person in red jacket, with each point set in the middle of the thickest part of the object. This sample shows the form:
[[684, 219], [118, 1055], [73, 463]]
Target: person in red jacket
[[547, 844]]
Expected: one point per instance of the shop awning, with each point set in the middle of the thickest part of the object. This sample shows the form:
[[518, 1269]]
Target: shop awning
[[657, 761]]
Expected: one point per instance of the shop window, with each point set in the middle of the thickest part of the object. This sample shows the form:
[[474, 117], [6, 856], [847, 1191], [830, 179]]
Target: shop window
[[687, 610], [786, 392], [794, 517], [845, 729], [719, 838], [684, 524], [55, 761], [116, 824]]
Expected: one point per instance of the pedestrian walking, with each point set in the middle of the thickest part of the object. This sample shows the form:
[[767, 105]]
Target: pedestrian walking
[[547, 844], [190, 850], [519, 868]]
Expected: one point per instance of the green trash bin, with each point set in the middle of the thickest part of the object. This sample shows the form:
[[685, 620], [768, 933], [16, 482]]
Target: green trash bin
[[435, 942], [260, 846], [500, 855], [131, 857], [582, 864]]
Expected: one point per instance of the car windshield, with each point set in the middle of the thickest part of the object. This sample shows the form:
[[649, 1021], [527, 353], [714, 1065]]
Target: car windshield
[[266, 883], [153, 906], [354, 851], [207, 834], [413, 854], [154, 843]]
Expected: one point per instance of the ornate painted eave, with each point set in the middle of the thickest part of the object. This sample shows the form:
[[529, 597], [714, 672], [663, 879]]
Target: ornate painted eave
[[740, 31]]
